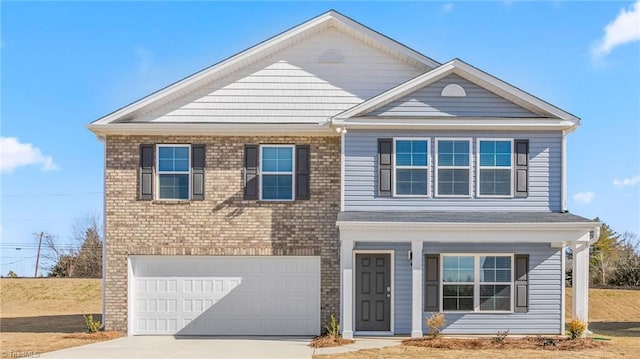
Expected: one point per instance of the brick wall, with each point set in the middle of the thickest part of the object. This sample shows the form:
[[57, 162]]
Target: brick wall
[[224, 223]]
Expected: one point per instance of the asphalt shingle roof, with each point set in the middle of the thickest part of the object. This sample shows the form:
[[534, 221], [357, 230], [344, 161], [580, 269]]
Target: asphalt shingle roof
[[461, 217]]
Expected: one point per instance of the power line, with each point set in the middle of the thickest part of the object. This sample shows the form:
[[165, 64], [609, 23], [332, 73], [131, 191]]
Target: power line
[[53, 194]]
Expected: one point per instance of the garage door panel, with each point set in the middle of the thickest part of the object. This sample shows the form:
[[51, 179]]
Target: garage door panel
[[237, 296]]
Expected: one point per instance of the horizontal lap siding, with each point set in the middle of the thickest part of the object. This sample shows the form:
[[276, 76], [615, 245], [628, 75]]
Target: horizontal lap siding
[[361, 174], [401, 283], [545, 292], [428, 102], [292, 85]]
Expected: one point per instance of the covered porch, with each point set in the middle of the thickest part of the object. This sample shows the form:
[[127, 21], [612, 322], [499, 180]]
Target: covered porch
[[408, 248]]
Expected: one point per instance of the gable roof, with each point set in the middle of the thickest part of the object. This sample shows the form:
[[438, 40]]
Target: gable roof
[[472, 74], [266, 48]]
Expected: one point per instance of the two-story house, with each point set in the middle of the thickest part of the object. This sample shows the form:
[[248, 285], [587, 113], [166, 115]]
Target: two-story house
[[333, 170]]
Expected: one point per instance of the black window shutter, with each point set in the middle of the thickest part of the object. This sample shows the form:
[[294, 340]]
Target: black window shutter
[[251, 162], [385, 146], [145, 174], [198, 163], [521, 290], [302, 172], [432, 283], [521, 148]]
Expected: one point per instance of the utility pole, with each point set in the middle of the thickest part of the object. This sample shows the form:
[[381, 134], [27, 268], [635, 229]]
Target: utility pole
[[35, 275]]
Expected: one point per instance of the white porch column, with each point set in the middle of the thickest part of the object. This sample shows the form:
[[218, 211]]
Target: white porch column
[[416, 289], [346, 268], [581, 281]]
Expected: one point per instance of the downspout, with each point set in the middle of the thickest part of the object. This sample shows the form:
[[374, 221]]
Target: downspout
[[563, 175], [104, 231], [343, 133]]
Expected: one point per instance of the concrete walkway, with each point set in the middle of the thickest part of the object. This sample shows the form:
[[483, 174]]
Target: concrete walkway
[[211, 347]]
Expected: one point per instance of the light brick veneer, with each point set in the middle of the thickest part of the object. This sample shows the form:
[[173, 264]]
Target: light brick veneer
[[224, 223]]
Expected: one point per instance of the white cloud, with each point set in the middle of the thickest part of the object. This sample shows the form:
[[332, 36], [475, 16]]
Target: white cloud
[[447, 7], [584, 197], [623, 29], [14, 154], [627, 182]]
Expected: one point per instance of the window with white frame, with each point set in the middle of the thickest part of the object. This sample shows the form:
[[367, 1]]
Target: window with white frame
[[495, 167], [453, 167], [173, 171], [477, 283], [411, 167], [276, 169]]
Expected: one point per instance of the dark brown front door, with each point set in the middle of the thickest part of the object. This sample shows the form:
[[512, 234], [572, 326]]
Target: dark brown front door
[[373, 292]]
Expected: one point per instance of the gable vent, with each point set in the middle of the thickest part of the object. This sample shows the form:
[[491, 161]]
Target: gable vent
[[331, 57], [453, 90]]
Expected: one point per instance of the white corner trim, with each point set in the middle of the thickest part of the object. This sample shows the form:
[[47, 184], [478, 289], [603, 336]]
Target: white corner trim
[[343, 134], [563, 172]]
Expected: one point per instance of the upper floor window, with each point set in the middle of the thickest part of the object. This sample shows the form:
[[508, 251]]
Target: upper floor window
[[411, 167], [173, 171], [277, 169], [495, 168], [453, 167]]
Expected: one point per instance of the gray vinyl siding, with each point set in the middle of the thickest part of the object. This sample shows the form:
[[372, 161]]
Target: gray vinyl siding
[[545, 292], [427, 101], [361, 174], [401, 283]]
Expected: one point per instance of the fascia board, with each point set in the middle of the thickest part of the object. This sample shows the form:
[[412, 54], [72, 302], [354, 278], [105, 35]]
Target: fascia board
[[455, 123], [509, 91], [560, 233], [196, 129], [398, 91]]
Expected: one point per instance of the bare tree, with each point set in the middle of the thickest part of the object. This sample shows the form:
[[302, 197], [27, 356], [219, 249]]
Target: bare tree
[[81, 256]]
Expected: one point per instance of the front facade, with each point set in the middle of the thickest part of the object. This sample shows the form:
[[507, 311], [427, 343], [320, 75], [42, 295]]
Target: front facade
[[332, 170]]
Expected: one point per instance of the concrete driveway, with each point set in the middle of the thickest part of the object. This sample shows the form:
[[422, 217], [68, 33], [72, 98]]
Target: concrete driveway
[[190, 347], [213, 347]]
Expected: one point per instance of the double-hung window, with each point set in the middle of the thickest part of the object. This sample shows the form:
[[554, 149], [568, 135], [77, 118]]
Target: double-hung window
[[495, 168], [477, 283], [411, 166], [173, 171], [277, 172], [453, 167]]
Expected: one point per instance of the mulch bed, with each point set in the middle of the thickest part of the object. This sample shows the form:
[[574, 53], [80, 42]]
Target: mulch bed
[[542, 343], [94, 336], [326, 341]]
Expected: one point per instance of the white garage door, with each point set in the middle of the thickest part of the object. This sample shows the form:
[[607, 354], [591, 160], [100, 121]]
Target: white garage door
[[206, 295]]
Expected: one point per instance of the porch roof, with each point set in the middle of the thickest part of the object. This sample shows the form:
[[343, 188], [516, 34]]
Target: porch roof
[[461, 217]]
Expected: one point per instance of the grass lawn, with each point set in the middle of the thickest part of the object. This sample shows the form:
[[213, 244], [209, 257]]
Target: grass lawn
[[36, 315]]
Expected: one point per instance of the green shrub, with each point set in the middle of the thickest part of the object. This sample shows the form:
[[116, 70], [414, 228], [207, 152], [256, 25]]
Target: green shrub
[[576, 329], [435, 322], [93, 326], [333, 329]]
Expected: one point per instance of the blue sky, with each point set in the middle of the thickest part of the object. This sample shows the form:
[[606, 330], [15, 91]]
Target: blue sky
[[66, 64]]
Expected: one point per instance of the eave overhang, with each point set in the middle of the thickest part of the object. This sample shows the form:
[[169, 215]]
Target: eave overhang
[[557, 234], [212, 129], [455, 123]]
